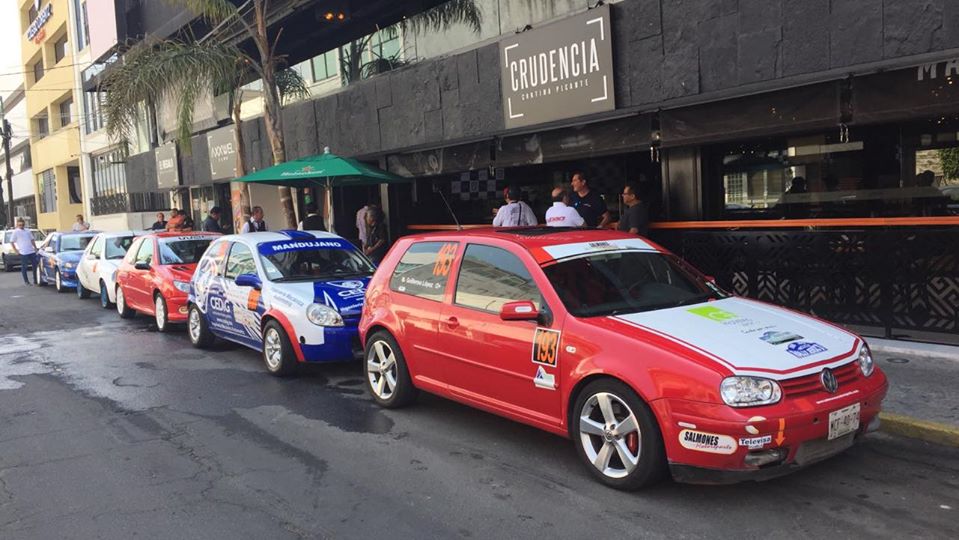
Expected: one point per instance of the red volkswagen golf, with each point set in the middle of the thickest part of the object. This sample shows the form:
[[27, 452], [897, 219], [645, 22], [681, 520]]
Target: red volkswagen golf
[[612, 341], [154, 277]]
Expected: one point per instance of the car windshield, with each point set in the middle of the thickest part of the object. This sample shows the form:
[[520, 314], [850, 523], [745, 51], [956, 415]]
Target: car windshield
[[183, 251], [74, 243], [38, 236], [117, 246], [626, 282], [313, 264]]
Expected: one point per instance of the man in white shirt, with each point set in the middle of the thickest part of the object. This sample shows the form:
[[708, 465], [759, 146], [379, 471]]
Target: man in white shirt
[[361, 224], [80, 225], [24, 245], [561, 214], [515, 213]]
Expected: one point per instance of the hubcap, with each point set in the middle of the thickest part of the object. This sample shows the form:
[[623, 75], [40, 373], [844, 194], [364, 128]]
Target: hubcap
[[272, 349], [160, 312], [195, 325], [610, 435], [120, 302], [381, 369]]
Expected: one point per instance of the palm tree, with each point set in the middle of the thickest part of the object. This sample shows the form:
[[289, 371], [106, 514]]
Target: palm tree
[[181, 72]]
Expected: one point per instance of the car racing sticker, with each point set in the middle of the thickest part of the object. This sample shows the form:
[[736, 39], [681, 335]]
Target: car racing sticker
[[542, 379], [546, 347], [803, 349], [282, 246], [778, 338], [711, 443], [754, 443]]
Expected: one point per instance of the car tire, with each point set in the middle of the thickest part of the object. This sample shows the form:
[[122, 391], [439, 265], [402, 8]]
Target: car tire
[[385, 367], [7, 267], [161, 314], [38, 276], [627, 460], [278, 355], [82, 292], [58, 282], [122, 308], [104, 296], [200, 335]]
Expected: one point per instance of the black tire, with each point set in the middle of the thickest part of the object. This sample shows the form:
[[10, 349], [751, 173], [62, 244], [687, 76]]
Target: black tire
[[200, 335], [122, 308], [379, 347], [104, 296], [58, 281], [161, 313], [651, 465], [275, 340], [82, 292], [38, 275], [7, 267]]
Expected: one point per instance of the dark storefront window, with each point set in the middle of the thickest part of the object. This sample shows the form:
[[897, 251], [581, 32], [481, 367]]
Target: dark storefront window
[[76, 187]]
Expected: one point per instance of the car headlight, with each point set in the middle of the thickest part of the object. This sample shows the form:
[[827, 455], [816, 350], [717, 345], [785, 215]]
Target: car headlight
[[749, 391], [866, 364], [321, 315], [182, 286]]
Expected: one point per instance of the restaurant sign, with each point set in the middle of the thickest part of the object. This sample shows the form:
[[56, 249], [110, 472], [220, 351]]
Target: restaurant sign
[[168, 173], [562, 70], [222, 146], [33, 31]]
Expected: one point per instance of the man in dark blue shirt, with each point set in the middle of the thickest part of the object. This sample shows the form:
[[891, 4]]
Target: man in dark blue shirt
[[587, 202]]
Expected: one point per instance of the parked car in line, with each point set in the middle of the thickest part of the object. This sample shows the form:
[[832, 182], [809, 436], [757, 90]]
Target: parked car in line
[[10, 258], [605, 338], [296, 296], [154, 276], [57, 258], [97, 269]]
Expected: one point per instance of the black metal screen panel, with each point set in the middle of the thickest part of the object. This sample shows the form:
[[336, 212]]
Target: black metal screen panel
[[889, 282]]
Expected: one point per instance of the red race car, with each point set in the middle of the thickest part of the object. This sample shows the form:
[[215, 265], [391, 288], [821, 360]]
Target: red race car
[[154, 277], [610, 340]]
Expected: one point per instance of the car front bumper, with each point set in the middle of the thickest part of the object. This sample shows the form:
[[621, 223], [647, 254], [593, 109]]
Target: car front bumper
[[339, 344], [177, 309]]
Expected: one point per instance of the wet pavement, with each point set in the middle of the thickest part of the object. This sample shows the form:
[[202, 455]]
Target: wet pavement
[[111, 430]]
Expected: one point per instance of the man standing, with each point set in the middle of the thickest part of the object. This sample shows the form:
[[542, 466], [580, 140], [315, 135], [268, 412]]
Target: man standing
[[24, 245], [80, 225], [212, 221], [588, 203], [361, 226], [515, 213], [313, 220], [560, 214], [255, 223], [160, 223], [635, 220]]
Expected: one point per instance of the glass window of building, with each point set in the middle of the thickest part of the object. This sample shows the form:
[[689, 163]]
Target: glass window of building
[[109, 174], [60, 49], [38, 71], [41, 126], [93, 111], [66, 112], [47, 188], [81, 23], [75, 185], [385, 44], [325, 65]]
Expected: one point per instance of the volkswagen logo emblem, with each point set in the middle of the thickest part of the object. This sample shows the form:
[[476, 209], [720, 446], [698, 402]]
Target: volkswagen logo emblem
[[829, 382]]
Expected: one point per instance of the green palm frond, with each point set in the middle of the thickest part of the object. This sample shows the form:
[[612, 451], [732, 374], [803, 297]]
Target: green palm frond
[[166, 72], [291, 86], [445, 15], [211, 10]]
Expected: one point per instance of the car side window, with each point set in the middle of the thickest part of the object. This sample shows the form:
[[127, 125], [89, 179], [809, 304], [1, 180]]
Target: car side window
[[97, 248], [490, 277], [145, 253], [132, 252], [240, 261], [52, 242], [424, 269]]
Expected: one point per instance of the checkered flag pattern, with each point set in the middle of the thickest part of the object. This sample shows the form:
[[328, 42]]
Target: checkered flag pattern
[[469, 189]]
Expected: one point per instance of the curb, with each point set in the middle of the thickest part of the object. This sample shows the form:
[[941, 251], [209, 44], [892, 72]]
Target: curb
[[906, 426], [913, 348]]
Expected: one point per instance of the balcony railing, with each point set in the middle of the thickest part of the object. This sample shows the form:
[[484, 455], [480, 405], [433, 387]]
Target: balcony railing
[[129, 202]]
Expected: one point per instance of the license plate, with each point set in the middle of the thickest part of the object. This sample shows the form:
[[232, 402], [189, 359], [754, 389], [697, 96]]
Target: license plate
[[843, 421]]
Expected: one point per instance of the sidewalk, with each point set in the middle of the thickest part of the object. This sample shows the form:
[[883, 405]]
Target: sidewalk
[[922, 402]]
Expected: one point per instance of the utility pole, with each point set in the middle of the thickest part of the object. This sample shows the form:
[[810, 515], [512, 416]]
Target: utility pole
[[5, 126]]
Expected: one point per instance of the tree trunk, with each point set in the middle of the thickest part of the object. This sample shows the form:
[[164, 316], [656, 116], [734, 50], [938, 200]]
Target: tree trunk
[[239, 191], [272, 109]]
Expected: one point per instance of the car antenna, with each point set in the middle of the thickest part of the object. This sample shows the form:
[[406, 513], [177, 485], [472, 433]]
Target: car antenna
[[437, 189]]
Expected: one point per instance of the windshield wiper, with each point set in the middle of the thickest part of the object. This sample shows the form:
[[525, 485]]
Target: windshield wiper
[[695, 299]]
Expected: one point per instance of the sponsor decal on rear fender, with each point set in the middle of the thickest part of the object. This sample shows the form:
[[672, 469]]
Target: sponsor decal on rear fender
[[711, 443]]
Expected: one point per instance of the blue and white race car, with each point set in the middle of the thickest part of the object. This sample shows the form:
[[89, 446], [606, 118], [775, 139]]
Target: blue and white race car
[[58, 256], [294, 295]]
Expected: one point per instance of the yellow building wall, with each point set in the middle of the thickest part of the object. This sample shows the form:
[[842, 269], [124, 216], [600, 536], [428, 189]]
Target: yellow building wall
[[61, 147]]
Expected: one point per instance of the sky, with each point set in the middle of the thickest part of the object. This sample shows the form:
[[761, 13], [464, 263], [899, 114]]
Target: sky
[[9, 46]]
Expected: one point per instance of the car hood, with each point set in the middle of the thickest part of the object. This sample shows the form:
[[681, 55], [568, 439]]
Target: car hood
[[181, 272], [345, 296], [751, 338]]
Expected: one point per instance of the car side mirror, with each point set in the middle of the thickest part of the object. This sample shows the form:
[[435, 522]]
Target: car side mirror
[[523, 310], [249, 280], [142, 266]]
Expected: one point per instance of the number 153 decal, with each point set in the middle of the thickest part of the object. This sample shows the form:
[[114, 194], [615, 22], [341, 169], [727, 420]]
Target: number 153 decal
[[546, 347]]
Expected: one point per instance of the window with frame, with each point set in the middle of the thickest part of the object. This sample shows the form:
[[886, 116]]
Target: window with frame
[[239, 262], [490, 277], [60, 49], [385, 44], [42, 126], [38, 71], [109, 174], [75, 185], [47, 188], [93, 111], [66, 112], [324, 66], [145, 253], [424, 270]]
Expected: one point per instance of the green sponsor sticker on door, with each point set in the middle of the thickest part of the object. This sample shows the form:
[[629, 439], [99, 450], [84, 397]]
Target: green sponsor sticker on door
[[713, 313]]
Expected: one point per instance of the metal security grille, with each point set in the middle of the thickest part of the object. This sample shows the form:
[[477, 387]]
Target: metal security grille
[[900, 282]]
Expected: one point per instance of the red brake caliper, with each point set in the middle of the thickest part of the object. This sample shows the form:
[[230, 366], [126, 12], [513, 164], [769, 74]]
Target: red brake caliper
[[632, 442]]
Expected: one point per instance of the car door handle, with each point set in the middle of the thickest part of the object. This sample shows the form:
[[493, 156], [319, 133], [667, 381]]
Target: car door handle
[[452, 323]]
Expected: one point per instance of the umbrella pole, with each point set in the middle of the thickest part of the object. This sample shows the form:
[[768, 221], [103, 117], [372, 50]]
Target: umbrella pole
[[329, 198]]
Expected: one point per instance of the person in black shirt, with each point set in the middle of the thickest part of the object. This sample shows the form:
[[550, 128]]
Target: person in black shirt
[[313, 220], [588, 203], [376, 241], [635, 220], [212, 221], [160, 223]]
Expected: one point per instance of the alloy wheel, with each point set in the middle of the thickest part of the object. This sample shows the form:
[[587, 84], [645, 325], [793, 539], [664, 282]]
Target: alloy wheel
[[120, 301], [194, 325], [273, 348], [57, 282], [610, 435], [381, 369], [160, 312]]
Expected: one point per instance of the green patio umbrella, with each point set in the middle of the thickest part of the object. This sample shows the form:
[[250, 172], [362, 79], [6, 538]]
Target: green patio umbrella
[[325, 170]]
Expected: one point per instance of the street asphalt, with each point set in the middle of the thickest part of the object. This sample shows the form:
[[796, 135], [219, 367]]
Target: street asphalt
[[109, 429]]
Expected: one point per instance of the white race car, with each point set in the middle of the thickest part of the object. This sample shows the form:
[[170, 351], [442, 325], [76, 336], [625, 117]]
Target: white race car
[[294, 295], [97, 268]]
